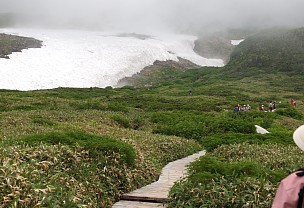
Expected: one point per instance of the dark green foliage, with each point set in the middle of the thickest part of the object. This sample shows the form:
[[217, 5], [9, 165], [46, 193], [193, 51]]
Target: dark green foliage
[[89, 105], [290, 112], [24, 108], [3, 107], [122, 121], [212, 142], [98, 146], [118, 107], [43, 121], [262, 119], [215, 182], [217, 167], [197, 125], [137, 122], [271, 51], [78, 93]]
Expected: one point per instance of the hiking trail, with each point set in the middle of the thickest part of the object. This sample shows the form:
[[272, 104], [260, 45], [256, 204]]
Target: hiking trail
[[154, 194]]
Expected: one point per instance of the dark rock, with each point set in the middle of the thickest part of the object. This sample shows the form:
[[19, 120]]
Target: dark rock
[[11, 43]]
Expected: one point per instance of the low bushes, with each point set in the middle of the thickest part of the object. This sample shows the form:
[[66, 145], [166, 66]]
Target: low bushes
[[198, 125], [290, 112], [43, 121], [96, 145], [241, 175], [214, 141], [89, 105], [63, 176], [122, 121]]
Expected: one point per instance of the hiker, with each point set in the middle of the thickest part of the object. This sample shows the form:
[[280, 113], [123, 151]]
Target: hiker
[[237, 108], [270, 106], [248, 107], [291, 189], [261, 108], [292, 102], [274, 106], [244, 108]]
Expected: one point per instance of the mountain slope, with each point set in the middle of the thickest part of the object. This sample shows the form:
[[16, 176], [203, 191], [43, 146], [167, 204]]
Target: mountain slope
[[275, 50]]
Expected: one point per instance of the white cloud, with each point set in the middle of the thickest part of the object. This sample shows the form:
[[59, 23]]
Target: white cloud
[[157, 14]]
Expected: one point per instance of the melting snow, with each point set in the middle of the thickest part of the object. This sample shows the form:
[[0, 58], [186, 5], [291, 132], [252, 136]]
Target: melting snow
[[89, 59], [236, 42]]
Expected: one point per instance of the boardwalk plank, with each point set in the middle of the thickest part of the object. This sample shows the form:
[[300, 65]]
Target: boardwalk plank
[[159, 190]]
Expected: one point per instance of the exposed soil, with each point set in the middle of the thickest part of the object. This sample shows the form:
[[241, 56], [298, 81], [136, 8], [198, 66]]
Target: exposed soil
[[12, 43], [148, 71]]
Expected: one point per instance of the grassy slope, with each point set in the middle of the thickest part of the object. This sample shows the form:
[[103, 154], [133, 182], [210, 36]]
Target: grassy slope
[[266, 66], [134, 115], [92, 111]]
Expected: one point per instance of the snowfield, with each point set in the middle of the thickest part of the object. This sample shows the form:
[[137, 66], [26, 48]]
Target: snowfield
[[236, 42], [89, 59]]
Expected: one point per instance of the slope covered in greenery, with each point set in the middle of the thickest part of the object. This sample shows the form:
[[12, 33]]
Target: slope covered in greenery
[[242, 168], [273, 50], [70, 147]]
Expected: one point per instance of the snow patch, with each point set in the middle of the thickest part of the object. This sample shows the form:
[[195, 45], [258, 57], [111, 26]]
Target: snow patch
[[89, 59], [236, 42]]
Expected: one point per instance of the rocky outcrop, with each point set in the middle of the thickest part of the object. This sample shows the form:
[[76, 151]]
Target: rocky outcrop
[[12, 43]]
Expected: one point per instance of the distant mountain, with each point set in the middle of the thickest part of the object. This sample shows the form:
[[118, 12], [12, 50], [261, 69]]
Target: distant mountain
[[218, 44], [272, 50]]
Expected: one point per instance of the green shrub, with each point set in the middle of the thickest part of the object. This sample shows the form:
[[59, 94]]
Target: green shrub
[[290, 112], [214, 141], [117, 107], [137, 122], [88, 105], [98, 146], [234, 125], [223, 192], [24, 108], [255, 117], [122, 121], [218, 167], [43, 121], [215, 182], [283, 157], [197, 125]]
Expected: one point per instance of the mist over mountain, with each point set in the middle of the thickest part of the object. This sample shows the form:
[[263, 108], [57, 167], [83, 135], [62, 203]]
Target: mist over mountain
[[151, 15]]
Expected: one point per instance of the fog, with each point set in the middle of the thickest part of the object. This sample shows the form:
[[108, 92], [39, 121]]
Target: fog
[[150, 15]]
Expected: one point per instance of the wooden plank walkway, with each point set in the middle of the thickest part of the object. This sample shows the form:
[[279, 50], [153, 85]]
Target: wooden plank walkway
[[154, 194]]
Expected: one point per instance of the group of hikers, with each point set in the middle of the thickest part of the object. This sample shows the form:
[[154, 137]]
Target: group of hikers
[[271, 107], [239, 108]]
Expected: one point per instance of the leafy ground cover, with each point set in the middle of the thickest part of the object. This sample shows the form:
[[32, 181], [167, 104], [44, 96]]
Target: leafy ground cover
[[69, 148], [239, 175]]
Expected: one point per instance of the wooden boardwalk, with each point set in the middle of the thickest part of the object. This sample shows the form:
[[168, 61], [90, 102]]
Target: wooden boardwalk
[[154, 194]]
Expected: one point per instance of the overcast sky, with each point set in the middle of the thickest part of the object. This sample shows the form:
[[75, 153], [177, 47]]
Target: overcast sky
[[142, 15]]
